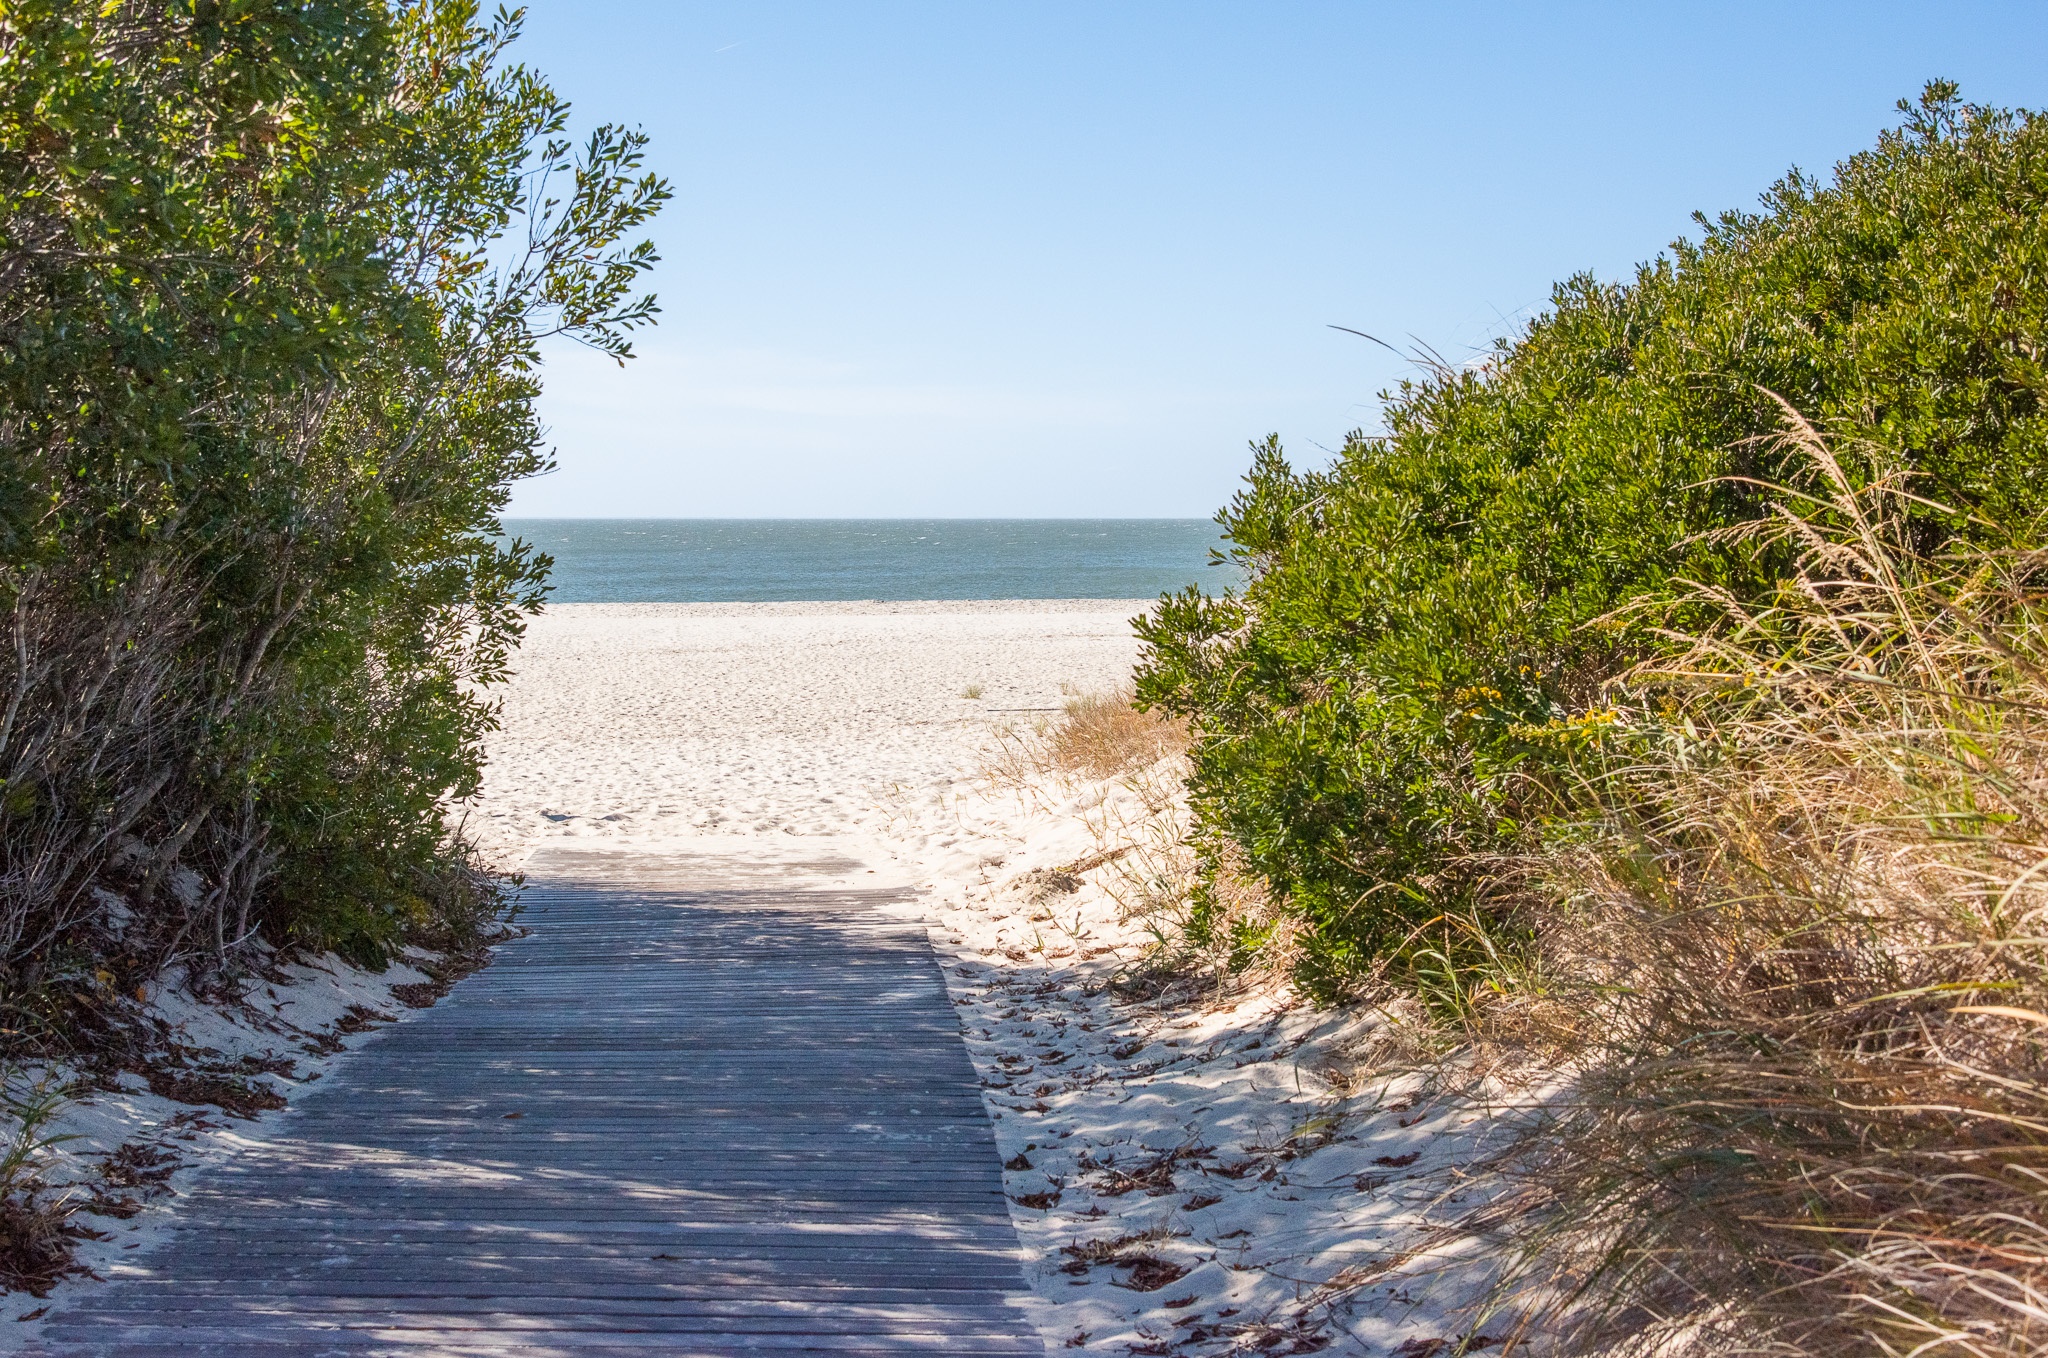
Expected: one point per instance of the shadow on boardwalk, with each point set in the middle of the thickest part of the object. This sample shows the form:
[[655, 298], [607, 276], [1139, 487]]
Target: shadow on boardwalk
[[698, 1110]]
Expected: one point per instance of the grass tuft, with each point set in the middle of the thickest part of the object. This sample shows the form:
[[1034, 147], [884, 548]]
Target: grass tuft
[[1102, 735], [37, 1232]]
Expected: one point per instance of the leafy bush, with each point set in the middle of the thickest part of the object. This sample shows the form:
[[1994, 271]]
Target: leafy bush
[[272, 279], [1375, 710]]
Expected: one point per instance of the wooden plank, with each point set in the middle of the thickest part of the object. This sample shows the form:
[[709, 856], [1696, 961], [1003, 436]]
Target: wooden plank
[[747, 1124], [164, 1296]]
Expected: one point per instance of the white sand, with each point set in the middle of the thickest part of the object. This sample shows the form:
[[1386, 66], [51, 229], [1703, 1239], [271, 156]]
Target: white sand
[[660, 720]]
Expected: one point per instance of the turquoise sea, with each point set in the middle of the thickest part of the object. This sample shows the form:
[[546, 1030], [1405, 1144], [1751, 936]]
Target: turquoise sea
[[758, 560]]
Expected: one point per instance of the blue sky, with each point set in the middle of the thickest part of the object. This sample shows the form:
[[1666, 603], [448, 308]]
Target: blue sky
[[1066, 259]]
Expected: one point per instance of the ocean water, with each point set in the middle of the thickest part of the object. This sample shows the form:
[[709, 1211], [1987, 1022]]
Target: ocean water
[[761, 560]]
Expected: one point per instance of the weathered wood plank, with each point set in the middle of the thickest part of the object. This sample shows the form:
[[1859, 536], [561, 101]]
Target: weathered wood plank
[[746, 1124]]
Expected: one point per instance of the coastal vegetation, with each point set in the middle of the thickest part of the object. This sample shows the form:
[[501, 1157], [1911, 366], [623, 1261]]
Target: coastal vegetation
[[273, 280], [1660, 697], [1101, 735]]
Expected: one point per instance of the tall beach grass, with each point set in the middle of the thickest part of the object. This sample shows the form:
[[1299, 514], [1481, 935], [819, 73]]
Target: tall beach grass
[[1796, 962]]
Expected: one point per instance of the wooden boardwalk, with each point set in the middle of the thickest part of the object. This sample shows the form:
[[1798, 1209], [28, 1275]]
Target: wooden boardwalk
[[699, 1110]]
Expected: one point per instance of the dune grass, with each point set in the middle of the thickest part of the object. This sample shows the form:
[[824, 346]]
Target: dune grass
[[1101, 735], [1798, 965]]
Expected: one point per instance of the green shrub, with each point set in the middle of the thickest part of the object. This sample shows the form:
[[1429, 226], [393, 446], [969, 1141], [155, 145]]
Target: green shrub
[[272, 283], [1381, 701]]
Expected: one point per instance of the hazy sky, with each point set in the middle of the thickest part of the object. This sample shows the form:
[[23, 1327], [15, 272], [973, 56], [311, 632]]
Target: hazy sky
[[1065, 259]]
